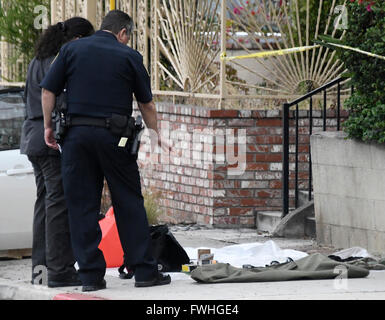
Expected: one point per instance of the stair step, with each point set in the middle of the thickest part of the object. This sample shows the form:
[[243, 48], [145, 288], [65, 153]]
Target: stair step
[[268, 220], [303, 197]]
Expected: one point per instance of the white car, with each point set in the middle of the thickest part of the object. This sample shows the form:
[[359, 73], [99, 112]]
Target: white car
[[17, 181]]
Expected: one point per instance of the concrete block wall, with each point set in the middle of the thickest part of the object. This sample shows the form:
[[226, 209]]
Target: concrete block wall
[[201, 184], [349, 191]]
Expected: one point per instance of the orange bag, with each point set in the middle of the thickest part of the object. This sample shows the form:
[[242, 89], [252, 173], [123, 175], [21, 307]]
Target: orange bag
[[110, 244]]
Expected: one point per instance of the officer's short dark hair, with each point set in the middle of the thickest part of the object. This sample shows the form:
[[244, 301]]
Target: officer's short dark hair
[[117, 20]]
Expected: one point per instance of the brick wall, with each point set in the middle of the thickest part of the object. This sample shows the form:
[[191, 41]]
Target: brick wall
[[226, 165]]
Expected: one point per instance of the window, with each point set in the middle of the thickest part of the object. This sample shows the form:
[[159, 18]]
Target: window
[[12, 115]]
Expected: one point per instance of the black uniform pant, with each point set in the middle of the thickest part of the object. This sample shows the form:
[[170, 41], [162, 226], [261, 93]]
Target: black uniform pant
[[51, 243], [89, 155]]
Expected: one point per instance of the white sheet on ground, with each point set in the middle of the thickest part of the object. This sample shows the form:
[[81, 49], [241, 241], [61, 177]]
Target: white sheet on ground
[[257, 254], [353, 252]]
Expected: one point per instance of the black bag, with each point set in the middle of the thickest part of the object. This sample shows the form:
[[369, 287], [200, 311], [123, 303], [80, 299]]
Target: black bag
[[167, 251]]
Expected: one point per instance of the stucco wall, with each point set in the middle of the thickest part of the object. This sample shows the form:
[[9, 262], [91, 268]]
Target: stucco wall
[[349, 191]]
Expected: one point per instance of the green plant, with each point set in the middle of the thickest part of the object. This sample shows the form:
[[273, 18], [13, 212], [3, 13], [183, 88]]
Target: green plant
[[326, 12], [151, 204], [17, 27], [366, 22]]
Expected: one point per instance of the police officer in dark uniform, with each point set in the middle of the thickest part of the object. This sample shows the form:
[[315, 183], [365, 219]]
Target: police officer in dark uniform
[[101, 74]]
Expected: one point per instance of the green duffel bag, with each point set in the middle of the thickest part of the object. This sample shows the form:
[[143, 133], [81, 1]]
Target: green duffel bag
[[312, 267]]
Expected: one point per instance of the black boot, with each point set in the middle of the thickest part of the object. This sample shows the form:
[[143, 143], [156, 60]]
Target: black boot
[[94, 287], [160, 280]]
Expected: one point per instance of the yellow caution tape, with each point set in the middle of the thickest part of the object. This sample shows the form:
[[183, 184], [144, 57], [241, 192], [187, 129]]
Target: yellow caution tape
[[269, 53], [272, 53], [356, 50]]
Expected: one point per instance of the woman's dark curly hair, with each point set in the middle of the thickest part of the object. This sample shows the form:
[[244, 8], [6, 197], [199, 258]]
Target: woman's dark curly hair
[[55, 36]]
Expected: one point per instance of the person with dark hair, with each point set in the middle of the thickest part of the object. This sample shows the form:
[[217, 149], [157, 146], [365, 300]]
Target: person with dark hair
[[51, 244], [102, 74]]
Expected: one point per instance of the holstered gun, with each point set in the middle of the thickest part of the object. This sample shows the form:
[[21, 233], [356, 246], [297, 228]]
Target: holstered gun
[[138, 128], [60, 121]]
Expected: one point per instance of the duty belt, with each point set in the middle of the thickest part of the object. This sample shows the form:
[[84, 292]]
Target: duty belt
[[119, 125], [89, 121]]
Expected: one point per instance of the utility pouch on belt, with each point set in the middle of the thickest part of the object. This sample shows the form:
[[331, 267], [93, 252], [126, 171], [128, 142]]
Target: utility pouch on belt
[[118, 124]]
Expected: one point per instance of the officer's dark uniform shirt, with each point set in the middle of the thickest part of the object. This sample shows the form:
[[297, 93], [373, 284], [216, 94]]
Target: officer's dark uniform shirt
[[100, 75]]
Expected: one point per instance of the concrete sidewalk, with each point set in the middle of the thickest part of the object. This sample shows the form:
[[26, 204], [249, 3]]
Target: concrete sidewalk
[[15, 277]]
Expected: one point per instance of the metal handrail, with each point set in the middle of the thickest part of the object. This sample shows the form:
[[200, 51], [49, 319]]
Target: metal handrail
[[315, 91], [286, 124]]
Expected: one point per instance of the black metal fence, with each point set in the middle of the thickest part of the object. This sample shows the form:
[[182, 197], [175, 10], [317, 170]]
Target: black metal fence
[[289, 117]]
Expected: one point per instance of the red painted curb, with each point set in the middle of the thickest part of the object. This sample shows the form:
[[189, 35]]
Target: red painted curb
[[76, 296]]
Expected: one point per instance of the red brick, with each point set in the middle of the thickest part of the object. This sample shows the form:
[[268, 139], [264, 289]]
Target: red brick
[[224, 184], [303, 148], [303, 158], [239, 193], [252, 202], [206, 219], [223, 114], [226, 167], [247, 221], [257, 148], [257, 166], [264, 194], [272, 157], [274, 139], [304, 139], [226, 202], [196, 190], [219, 176], [240, 211], [258, 114], [250, 157], [303, 130], [275, 184], [269, 139], [269, 122], [257, 131], [241, 122], [302, 175], [274, 203]]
